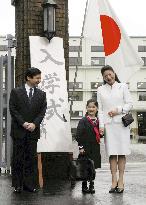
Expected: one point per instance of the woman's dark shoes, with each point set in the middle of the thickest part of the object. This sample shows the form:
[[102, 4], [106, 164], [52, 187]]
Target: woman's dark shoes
[[17, 190], [113, 190], [120, 190]]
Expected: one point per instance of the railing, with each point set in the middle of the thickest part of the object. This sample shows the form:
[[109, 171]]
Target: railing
[[7, 76]]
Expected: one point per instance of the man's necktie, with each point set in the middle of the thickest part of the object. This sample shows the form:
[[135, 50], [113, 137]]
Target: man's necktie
[[30, 93]]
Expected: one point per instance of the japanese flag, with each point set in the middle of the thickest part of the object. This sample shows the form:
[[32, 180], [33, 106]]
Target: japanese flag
[[102, 27]]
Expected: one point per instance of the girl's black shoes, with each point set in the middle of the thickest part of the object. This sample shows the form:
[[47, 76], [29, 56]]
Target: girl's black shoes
[[91, 187], [85, 188]]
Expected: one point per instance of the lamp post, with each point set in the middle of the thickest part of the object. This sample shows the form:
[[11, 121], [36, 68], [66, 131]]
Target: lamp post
[[49, 10]]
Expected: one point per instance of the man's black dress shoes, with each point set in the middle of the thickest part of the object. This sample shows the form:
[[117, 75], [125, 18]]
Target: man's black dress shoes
[[17, 190], [33, 190]]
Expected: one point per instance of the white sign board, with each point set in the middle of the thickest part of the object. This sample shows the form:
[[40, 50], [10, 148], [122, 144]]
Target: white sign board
[[55, 128]]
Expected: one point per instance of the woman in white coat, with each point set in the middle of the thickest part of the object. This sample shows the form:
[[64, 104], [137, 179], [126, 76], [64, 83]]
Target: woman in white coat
[[114, 101]]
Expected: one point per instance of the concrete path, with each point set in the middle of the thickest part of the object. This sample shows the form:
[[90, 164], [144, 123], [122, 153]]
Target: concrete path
[[61, 193]]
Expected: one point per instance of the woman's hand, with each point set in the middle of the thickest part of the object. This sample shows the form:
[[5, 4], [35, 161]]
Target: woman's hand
[[101, 131], [113, 113]]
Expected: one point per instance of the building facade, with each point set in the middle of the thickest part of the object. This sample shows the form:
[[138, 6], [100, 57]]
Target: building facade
[[85, 62], [88, 78]]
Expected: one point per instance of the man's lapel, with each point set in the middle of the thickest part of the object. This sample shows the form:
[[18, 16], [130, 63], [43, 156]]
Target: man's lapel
[[35, 95], [24, 95]]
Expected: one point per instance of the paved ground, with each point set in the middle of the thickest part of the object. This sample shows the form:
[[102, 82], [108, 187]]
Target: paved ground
[[61, 193], [138, 152]]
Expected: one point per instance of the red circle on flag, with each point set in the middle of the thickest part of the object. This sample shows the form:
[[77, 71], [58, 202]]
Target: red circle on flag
[[111, 34]]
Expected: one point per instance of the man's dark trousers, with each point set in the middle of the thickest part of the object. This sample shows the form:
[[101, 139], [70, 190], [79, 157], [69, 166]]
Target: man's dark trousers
[[25, 163]]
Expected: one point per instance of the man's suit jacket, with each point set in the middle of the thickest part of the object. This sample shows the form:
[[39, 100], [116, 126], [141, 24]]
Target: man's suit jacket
[[22, 110]]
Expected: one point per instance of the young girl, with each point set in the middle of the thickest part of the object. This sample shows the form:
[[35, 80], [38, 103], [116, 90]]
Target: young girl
[[88, 139]]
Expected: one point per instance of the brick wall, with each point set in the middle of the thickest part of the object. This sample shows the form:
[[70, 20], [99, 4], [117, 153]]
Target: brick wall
[[29, 21]]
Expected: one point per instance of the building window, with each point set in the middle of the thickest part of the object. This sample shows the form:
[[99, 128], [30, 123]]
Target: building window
[[142, 96], [75, 48], [141, 118], [77, 85], [97, 49], [75, 96], [97, 61], [94, 95], [3, 47], [141, 48], [144, 60], [73, 61], [95, 85], [141, 85], [76, 114], [73, 132], [128, 85]]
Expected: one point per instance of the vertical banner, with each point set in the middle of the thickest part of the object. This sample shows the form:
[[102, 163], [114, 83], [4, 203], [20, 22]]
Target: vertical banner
[[55, 128]]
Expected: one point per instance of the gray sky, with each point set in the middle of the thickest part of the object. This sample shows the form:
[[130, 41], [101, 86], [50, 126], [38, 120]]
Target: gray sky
[[7, 18], [132, 14]]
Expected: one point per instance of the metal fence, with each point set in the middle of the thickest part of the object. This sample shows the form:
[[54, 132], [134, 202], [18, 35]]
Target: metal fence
[[6, 84]]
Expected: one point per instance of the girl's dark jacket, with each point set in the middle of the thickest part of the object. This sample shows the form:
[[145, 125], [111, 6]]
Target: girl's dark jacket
[[86, 137]]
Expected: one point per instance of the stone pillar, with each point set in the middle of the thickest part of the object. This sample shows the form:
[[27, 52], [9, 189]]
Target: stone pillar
[[29, 21]]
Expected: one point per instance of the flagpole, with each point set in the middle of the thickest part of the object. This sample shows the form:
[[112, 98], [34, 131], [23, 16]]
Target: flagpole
[[76, 71], [84, 20]]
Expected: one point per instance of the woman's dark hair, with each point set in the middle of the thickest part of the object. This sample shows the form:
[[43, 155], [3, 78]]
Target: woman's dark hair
[[92, 101], [31, 72], [108, 67]]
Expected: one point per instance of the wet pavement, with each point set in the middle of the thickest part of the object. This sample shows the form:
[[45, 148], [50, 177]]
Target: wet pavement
[[138, 152], [61, 192]]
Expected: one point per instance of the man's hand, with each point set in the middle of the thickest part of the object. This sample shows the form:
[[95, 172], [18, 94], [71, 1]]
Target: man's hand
[[82, 151], [31, 127], [25, 125]]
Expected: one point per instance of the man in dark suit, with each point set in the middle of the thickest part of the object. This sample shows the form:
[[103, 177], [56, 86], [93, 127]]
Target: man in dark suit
[[27, 108]]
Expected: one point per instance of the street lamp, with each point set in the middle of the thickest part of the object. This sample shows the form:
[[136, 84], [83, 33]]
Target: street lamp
[[49, 10]]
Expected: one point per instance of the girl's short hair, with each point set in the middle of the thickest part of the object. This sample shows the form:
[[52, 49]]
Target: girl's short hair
[[92, 101], [95, 103]]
